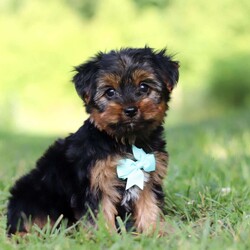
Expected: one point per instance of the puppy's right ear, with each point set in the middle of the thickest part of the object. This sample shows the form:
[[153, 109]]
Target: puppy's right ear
[[85, 78]]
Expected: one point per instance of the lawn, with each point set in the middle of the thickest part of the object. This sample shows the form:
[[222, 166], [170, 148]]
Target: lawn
[[207, 191]]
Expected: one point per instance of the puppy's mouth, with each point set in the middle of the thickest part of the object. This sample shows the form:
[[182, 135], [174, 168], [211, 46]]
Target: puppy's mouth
[[131, 127], [130, 124]]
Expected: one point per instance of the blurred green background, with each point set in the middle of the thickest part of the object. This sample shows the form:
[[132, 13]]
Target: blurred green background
[[41, 41]]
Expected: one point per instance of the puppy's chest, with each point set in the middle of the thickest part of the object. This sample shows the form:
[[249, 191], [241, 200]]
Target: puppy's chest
[[104, 179], [131, 195]]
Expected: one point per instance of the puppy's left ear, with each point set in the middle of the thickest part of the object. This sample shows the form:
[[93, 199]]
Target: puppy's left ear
[[169, 69], [85, 78]]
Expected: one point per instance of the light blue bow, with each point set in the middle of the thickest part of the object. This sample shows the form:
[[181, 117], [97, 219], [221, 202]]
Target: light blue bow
[[132, 170]]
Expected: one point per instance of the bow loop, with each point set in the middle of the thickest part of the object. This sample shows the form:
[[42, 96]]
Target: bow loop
[[124, 172], [149, 163], [132, 170], [138, 153]]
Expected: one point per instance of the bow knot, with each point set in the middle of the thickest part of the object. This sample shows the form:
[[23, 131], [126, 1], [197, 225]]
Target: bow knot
[[133, 170]]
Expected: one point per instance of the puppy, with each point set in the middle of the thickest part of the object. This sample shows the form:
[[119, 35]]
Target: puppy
[[115, 163]]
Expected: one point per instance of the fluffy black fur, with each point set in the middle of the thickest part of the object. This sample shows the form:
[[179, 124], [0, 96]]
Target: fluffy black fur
[[60, 182]]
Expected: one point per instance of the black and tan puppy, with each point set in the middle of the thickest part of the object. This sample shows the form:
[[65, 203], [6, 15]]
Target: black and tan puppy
[[116, 161]]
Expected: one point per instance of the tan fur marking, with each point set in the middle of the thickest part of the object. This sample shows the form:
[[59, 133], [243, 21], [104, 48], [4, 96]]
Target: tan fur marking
[[146, 212], [111, 115], [109, 211], [111, 80], [104, 178], [141, 75], [21, 234], [161, 167], [152, 111], [40, 222]]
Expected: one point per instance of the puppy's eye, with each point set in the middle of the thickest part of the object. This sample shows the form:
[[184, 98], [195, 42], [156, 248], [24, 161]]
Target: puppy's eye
[[144, 88], [110, 92]]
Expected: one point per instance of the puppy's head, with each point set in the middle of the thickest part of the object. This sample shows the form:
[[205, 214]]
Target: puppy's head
[[126, 92]]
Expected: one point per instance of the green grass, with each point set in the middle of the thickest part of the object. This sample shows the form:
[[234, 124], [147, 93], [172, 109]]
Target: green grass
[[207, 202]]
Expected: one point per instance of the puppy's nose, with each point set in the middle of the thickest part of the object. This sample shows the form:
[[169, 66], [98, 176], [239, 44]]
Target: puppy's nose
[[131, 111]]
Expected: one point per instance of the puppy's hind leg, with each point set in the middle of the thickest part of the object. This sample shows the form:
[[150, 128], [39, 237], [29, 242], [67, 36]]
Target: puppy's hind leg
[[22, 215], [29, 205]]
